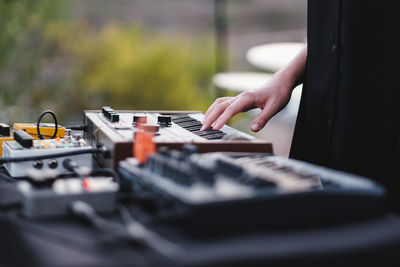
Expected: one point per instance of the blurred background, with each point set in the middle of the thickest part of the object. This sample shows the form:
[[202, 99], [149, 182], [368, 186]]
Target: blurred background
[[134, 54]]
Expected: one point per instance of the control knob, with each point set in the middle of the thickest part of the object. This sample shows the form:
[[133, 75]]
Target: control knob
[[164, 120]]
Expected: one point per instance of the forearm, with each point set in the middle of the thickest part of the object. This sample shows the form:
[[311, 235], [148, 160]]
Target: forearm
[[292, 74]]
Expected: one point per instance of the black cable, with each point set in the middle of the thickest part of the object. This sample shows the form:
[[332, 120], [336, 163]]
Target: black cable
[[53, 155], [55, 123], [72, 241], [73, 166], [132, 230], [85, 211], [152, 240]]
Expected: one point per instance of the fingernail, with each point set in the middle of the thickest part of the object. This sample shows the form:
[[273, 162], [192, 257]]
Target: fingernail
[[213, 124], [202, 128], [255, 127]]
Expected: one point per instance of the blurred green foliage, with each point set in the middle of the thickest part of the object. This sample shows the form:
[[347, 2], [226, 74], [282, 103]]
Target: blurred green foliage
[[48, 61], [23, 49]]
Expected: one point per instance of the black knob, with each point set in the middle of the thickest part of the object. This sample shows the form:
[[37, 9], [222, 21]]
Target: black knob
[[53, 163], [139, 119], [164, 120], [105, 110], [114, 117], [38, 164], [4, 129]]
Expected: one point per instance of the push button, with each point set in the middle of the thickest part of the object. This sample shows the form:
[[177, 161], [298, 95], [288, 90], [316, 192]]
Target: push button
[[334, 48]]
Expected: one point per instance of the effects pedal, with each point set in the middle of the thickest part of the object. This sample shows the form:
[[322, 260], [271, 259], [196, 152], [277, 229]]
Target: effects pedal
[[27, 147], [56, 199]]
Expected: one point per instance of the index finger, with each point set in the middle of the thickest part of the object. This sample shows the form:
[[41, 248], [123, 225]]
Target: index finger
[[212, 107], [214, 114], [237, 106]]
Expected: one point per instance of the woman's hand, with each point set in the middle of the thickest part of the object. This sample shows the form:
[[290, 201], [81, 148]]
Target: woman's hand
[[270, 99]]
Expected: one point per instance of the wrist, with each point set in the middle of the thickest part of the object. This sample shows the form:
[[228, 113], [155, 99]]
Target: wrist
[[292, 74], [285, 79]]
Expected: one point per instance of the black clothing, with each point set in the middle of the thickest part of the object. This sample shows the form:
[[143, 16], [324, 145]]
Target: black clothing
[[349, 115]]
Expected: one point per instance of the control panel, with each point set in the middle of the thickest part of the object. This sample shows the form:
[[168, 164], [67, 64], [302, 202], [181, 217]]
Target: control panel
[[240, 188], [31, 148], [116, 130]]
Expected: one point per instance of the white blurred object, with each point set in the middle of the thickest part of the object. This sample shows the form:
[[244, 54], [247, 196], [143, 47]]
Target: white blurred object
[[272, 57], [279, 130], [240, 81], [289, 113]]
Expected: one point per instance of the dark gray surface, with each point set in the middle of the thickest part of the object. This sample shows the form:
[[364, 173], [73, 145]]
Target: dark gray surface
[[68, 241]]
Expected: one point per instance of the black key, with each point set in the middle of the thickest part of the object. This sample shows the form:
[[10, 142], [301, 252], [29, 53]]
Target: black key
[[180, 116], [186, 120], [207, 132], [188, 123], [214, 136], [193, 128]]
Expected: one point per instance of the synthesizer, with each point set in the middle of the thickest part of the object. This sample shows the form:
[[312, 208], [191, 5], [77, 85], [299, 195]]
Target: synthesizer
[[115, 130], [248, 189]]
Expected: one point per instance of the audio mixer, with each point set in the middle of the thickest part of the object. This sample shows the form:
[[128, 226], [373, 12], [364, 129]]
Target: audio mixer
[[115, 130], [245, 189]]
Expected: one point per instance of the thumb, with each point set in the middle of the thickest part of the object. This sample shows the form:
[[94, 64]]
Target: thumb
[[265, 115]]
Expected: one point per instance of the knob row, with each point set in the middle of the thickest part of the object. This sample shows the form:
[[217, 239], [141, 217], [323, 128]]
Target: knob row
[[162, 120]]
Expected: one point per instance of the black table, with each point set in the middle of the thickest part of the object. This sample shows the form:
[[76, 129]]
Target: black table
[[68, 241]]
